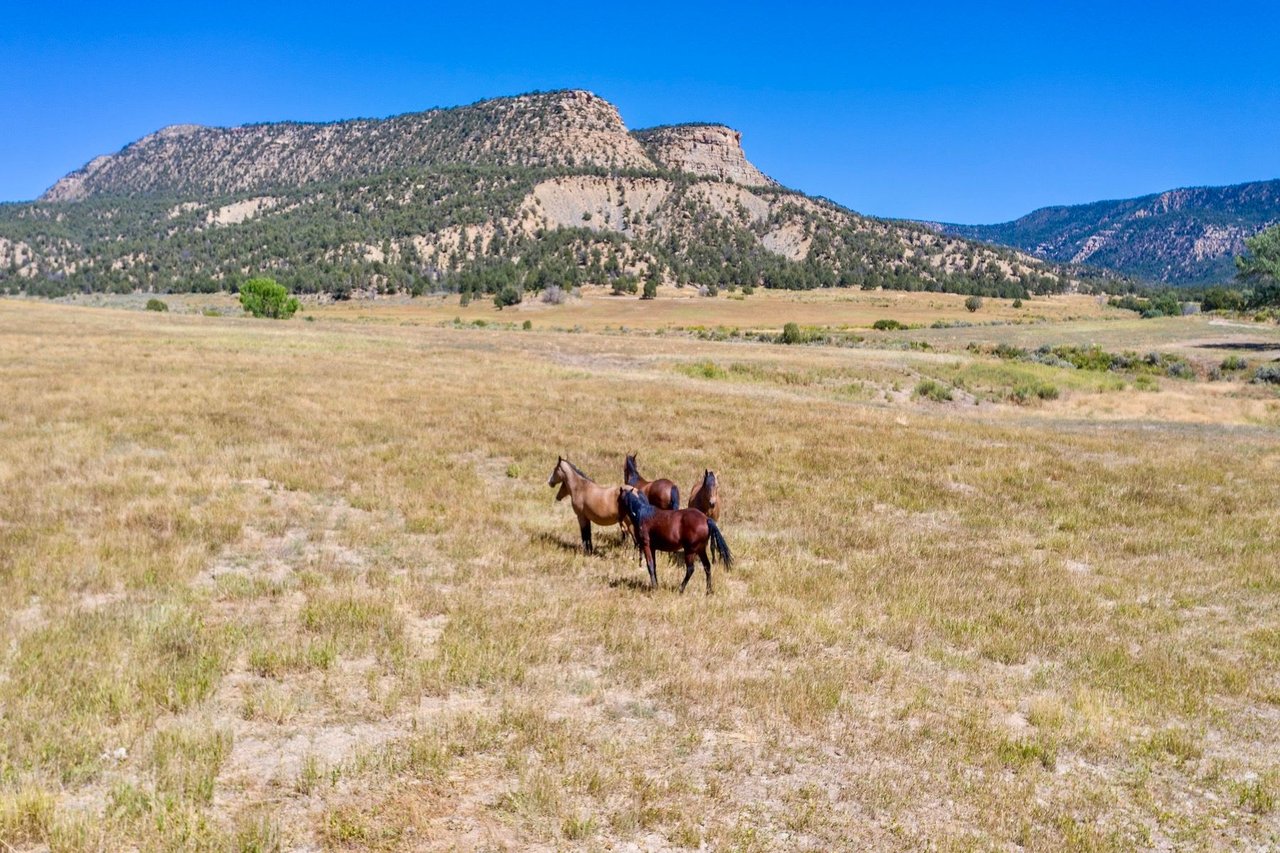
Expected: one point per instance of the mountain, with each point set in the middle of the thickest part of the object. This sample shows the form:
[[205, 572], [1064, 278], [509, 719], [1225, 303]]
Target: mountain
[[1184, 236], [520, 192]]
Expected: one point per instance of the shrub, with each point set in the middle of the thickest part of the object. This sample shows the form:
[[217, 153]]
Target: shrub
[[508, 295], [791, 334], [1017, 303], [704, 370], [624, 284], [527, 325], [465, 298], [1234, 362], [748, 289], [887, 325], [973, 303], [1268, 374], [933, 390], [554, 295], [1222, 299], [1033, 389], [157, 305], [650, 289], [263, 297]]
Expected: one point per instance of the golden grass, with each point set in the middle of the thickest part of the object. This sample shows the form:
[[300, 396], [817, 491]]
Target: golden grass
[[302, 584]]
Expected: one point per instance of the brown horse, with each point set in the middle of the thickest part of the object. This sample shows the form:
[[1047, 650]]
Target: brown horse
[[591, 501], [681, 530], [661, 493], [706, 495]]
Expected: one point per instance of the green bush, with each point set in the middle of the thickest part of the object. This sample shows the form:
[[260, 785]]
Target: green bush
[[933, 390], [527, 325], [263, 297], [650, 289], [508, 295], [1234, 362], [1017, 303], [791, 334], [1222, 299], [887, 325], [973, 303], [704, 370], [157, 305], [1033, 389]]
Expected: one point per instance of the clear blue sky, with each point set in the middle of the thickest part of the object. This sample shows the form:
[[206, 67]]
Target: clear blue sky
[[951, 111]]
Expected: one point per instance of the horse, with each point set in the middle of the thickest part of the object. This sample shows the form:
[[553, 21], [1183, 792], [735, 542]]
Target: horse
[[681, 530], [661, 493], [706, 495], [591, 501]]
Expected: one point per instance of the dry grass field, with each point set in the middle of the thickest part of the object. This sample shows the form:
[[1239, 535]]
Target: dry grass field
[[280, 585]]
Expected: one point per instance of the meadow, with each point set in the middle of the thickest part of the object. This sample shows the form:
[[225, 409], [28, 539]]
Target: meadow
[[302, 584]]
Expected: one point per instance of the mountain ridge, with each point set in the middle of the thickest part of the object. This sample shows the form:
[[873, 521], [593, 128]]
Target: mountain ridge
[[1182, 236]]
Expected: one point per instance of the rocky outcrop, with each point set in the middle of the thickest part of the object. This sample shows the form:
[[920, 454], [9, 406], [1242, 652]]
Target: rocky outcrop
[[709, 150], [571, 128]]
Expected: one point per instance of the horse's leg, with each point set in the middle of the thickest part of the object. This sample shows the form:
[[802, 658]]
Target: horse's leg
[[706, 567], [584, 526], [653, 569], [688, 570]]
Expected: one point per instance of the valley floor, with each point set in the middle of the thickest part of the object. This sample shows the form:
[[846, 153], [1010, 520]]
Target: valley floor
[[302, 584]]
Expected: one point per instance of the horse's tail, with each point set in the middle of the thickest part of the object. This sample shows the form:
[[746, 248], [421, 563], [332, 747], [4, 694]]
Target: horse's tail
[[719, 548], [675, 496]]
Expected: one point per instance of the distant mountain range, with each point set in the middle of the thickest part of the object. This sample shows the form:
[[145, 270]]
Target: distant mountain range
[[1183, 236], [524, 192]]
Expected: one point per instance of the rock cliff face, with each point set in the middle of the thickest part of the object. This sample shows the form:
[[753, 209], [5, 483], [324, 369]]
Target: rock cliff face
[[711, 150], [573, 129], [1182, 236]]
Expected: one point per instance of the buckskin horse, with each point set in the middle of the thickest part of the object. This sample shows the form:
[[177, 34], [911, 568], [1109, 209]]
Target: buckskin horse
[[661, 493], [706, 495], [681, 530], [591, 501]]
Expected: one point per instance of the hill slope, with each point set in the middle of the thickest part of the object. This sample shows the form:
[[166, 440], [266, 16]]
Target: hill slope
[[528, 191], [1183, 236]]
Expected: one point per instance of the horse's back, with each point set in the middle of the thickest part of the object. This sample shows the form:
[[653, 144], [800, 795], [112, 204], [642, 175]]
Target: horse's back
[[662, 494], [600, 504]]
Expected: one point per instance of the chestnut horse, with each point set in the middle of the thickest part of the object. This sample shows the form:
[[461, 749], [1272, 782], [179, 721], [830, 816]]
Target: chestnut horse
[[591, 501], [680, 530], [661, 493], [706, 495]]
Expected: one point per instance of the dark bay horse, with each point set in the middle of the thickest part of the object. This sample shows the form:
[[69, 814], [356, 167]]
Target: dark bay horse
[[661, 493], [706, 495], [680, 530]]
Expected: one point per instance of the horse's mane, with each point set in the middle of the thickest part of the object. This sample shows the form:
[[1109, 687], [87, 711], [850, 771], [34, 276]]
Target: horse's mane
[[577, 470], [637, 507]]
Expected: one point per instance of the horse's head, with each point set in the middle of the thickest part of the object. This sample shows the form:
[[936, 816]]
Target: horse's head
[[631, 502], [711, 487], [629, 472], [557, 473]]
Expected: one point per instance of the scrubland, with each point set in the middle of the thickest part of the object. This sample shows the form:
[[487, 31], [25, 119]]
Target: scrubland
[[302, 584]]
